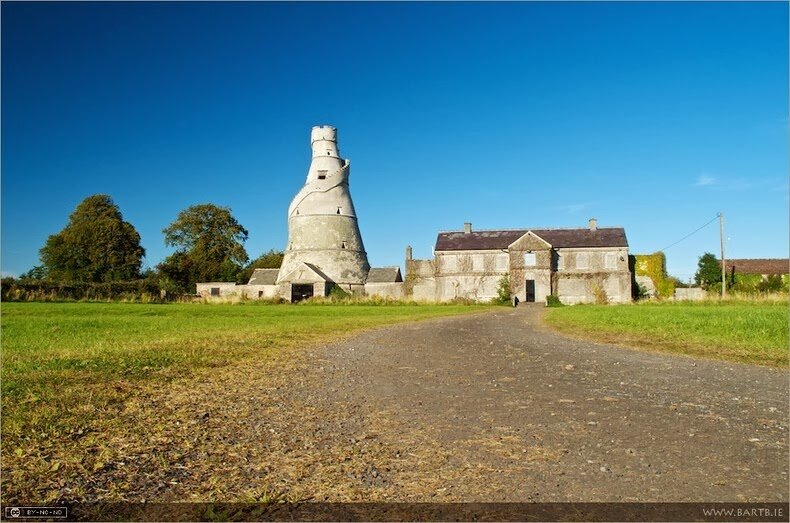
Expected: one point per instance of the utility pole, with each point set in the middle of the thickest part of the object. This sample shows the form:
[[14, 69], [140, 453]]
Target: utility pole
[[723, 264]]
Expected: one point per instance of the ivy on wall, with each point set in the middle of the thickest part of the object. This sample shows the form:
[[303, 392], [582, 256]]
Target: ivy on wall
[[655, 266]]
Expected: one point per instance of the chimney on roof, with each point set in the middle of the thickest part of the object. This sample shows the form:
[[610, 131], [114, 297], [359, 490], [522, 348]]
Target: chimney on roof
[[408, 252], [467, 227], [593, 224]]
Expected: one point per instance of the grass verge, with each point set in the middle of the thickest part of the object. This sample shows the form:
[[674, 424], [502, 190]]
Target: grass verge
[[746, 332], [71, 370]]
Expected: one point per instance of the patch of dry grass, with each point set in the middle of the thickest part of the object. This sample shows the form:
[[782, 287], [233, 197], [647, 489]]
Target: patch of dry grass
[[129, 401]]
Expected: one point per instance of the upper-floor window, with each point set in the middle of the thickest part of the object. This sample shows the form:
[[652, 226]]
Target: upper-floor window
[[450, 263], [478, 262], [610, 260], [322, 175], [530, 259], [582, 260], [502, 261]]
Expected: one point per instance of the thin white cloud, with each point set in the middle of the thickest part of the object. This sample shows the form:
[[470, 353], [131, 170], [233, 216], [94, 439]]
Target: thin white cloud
[[705, 180], [574, 207]]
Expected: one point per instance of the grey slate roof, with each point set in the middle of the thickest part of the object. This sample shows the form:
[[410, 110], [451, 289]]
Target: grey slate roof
[[384, 275], [263, 277], [558, 238]]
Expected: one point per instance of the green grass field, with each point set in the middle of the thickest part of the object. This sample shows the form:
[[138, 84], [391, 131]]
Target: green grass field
[[66, 363], [748, 332]]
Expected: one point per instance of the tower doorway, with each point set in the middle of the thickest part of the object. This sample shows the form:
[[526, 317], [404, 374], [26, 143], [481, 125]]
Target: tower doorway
[[301, 291]]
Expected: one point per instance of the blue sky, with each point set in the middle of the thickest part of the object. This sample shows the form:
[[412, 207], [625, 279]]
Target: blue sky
[[651, 116]]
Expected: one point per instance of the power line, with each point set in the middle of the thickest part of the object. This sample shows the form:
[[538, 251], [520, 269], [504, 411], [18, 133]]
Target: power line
[[695, 231]]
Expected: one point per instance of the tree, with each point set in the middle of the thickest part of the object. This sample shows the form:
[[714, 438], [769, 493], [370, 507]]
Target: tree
[[708, 270], [209, 246], [268, 260], [97, 245]]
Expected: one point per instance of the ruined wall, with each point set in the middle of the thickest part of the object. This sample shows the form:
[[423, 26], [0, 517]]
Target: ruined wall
[[420, 283], [392, 290], [225, 289], [473, 275]]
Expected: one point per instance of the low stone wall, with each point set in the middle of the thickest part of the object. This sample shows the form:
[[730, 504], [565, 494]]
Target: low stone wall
[[691, 294], [393, 290], [219, 288]]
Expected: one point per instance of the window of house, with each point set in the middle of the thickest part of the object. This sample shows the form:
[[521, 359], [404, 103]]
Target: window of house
[[215, 291], [610, 260], [450, 264], [560, 261], [322, 175], [530, 259], [502, 262], [478, 263], [582, 260]]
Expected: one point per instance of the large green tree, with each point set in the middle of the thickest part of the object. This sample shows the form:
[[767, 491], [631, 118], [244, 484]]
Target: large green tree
[[97, 245], [268, 260], [708, 270], [209, 244]]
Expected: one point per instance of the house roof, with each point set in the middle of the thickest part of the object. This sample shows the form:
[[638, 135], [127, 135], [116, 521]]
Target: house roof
[[558, 238], [384, 275], [302, 274], [263, 277], [759, 265]]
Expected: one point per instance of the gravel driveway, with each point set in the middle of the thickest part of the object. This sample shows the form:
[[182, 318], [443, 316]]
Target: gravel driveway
[[487, 407]]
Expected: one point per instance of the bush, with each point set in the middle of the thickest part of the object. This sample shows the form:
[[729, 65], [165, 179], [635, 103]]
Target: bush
[[553, 301], [503, 294], [145, 290]]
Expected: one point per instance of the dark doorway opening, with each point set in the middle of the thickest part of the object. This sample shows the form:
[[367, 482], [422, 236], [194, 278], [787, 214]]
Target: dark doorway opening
[[530, 286], [301, 291]]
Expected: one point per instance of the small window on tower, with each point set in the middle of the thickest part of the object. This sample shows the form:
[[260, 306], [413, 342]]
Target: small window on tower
[[338, 210], [322, 175], [343, 245]]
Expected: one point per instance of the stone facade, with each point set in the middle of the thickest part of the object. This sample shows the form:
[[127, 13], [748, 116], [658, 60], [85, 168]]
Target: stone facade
[[577, 265]]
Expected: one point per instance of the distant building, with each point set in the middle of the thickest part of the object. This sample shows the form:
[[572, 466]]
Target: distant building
[[577, 265], [763, 266]]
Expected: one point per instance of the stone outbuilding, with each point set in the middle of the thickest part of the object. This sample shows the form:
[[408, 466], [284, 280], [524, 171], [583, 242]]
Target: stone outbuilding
[[581, 265]]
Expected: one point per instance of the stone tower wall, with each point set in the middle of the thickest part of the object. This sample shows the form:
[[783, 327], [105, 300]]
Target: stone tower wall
[[322, 221]]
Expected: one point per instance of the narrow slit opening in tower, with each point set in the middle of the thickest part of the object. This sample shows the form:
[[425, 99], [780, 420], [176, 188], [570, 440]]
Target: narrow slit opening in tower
[[343, 245], [338, 210]]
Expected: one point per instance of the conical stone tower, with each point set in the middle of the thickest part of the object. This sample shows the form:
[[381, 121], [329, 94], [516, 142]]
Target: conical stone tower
[[324, 242]]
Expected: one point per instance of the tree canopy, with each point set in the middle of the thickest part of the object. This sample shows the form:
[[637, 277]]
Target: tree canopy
[[708, 270], [209, 244], [268, 260], [97, 245]]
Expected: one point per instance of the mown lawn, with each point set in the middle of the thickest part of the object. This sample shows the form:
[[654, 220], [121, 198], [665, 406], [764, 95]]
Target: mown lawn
[[69, 365], [748, 332]]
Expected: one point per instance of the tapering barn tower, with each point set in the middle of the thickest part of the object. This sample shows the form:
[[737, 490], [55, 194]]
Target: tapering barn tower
[[324, 243]]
